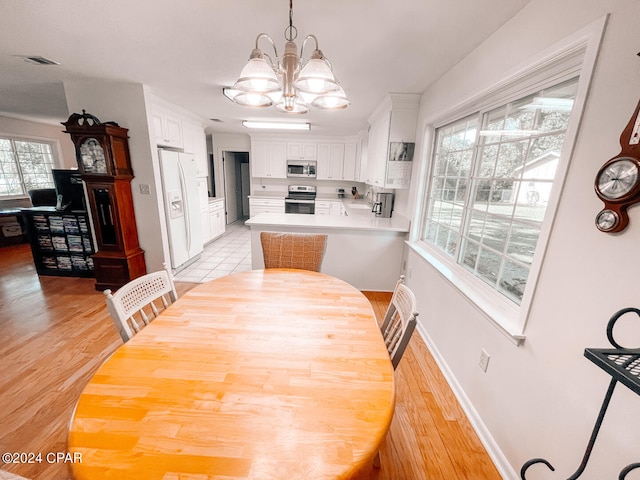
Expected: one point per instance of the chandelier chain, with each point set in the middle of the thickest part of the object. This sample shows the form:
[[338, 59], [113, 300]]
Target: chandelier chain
[[291, 32]]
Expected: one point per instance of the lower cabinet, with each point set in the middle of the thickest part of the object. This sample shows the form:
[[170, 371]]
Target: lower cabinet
[[216, 219], [329, 207], [212, 219], [265, 205]]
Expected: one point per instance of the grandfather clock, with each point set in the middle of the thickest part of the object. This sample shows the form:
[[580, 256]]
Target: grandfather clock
[[102, 153]]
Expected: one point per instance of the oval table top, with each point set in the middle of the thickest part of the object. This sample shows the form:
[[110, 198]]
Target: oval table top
[[267, 374]]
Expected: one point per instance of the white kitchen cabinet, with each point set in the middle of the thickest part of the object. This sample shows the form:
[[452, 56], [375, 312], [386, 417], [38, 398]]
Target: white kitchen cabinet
[[195, 142], [322, 207], [265, 205], [167, 127], [268, 159], [393, 121], [378, 147], [216, 218], [330, 161], [176, 128], [302, 151], [350, 170], [203, 200], [329, 207], [337, 208]]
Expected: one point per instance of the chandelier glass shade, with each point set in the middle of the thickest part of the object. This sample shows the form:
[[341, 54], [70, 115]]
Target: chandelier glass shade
[[288, 82]]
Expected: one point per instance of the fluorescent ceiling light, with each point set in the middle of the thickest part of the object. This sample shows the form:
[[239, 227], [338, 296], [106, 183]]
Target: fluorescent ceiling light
[[277, 125]]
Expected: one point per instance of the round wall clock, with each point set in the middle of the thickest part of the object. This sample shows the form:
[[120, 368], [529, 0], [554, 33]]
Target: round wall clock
[[617, 183]]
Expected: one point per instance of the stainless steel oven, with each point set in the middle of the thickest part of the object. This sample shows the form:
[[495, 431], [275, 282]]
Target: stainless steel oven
[[301, 199]]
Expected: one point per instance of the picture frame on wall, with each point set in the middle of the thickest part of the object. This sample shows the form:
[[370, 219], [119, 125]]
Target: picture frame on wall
[[401, 151]]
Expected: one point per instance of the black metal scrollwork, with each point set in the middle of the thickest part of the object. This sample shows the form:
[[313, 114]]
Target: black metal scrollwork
[[603, 409]]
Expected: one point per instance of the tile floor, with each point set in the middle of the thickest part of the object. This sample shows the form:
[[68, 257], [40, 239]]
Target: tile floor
[[230, 253]]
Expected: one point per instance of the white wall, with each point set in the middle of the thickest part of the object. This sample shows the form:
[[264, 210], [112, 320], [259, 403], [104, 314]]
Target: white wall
[[541, 399], [127, 105]]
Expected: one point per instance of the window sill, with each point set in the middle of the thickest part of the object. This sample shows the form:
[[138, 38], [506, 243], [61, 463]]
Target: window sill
[[503, 314]]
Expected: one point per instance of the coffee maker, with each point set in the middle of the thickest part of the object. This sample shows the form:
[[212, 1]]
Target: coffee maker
[[383, 206]]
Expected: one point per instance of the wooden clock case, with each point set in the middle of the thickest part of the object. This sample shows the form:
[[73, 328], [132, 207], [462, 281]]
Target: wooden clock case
[[630, 143], [119, 257]]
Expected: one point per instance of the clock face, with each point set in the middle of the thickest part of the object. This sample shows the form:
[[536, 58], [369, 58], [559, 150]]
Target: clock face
[[607, 220], [618, 178], [92, 156]]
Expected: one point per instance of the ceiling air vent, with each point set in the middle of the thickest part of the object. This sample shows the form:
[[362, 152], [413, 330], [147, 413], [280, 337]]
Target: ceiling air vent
[[37, 60]]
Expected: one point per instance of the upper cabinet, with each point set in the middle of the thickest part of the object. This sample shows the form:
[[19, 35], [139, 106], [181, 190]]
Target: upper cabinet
[[268, 159], [392, 125], [351, 168], [195, 142], [330, 161], [175, 128], [338, 158], [302, 151], [167, 127]]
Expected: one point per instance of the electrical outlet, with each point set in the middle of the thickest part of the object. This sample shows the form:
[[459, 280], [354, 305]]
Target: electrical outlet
[[484, 360], [144, 189]]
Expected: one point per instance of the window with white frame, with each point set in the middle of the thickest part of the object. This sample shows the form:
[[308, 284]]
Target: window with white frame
[[490, 185], [25, 164]]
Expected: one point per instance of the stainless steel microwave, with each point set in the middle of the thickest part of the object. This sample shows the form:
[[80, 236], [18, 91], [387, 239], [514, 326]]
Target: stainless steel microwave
[[298, 168]]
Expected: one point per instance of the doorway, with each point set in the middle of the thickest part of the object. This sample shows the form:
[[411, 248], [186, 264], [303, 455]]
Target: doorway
[[236, 184]]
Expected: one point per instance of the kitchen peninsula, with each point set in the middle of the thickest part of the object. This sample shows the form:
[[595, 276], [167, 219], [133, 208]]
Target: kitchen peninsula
[[362, 249]]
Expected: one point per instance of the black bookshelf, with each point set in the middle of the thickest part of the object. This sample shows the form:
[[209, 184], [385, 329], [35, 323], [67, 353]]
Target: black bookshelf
[[61, 241]]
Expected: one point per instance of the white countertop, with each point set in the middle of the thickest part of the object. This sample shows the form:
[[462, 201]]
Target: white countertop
[[396, 223]]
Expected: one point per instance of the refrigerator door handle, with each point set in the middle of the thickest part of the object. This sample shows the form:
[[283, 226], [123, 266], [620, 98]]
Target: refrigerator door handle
[[185, 199]]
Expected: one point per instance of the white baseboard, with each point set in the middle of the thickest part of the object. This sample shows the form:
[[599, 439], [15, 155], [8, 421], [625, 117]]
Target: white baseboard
[[500, 461]]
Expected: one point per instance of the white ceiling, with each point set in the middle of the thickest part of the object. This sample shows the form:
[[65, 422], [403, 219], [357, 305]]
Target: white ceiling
[[187, 50]]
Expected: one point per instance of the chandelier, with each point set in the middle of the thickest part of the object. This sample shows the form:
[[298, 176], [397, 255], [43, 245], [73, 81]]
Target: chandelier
[[288, 82]]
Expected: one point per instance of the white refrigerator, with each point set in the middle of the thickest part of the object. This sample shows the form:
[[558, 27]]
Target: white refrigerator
[[182, 209]]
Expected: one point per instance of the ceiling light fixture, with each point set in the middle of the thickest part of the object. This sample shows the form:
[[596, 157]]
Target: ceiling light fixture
[[277, 125], [288, 82]]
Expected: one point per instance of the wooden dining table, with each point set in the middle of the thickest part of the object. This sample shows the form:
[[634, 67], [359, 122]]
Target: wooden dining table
[[270, 374]]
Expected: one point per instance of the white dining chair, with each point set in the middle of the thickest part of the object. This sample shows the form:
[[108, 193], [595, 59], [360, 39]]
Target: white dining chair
[[135, 304], [399, 321], [397, 327]]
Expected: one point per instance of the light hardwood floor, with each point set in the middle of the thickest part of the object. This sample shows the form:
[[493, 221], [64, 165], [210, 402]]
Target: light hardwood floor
[[56, 332]]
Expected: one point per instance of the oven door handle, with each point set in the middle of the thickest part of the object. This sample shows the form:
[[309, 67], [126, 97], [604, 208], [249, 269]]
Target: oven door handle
[[299, 201]]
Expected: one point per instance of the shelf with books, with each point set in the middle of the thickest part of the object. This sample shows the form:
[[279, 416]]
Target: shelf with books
[[61, 242]]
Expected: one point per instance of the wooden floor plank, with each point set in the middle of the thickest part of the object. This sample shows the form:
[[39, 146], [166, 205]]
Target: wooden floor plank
[[56, 332]]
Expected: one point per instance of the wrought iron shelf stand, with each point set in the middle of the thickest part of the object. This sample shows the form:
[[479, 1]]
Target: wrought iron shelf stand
[[623, 364]]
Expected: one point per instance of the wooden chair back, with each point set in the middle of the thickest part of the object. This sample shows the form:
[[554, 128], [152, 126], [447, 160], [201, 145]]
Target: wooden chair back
[[135, 304], [399, 322], [304, 251]]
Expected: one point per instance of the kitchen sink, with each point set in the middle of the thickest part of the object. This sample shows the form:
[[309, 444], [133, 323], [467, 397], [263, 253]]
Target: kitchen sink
[[362, 206]]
